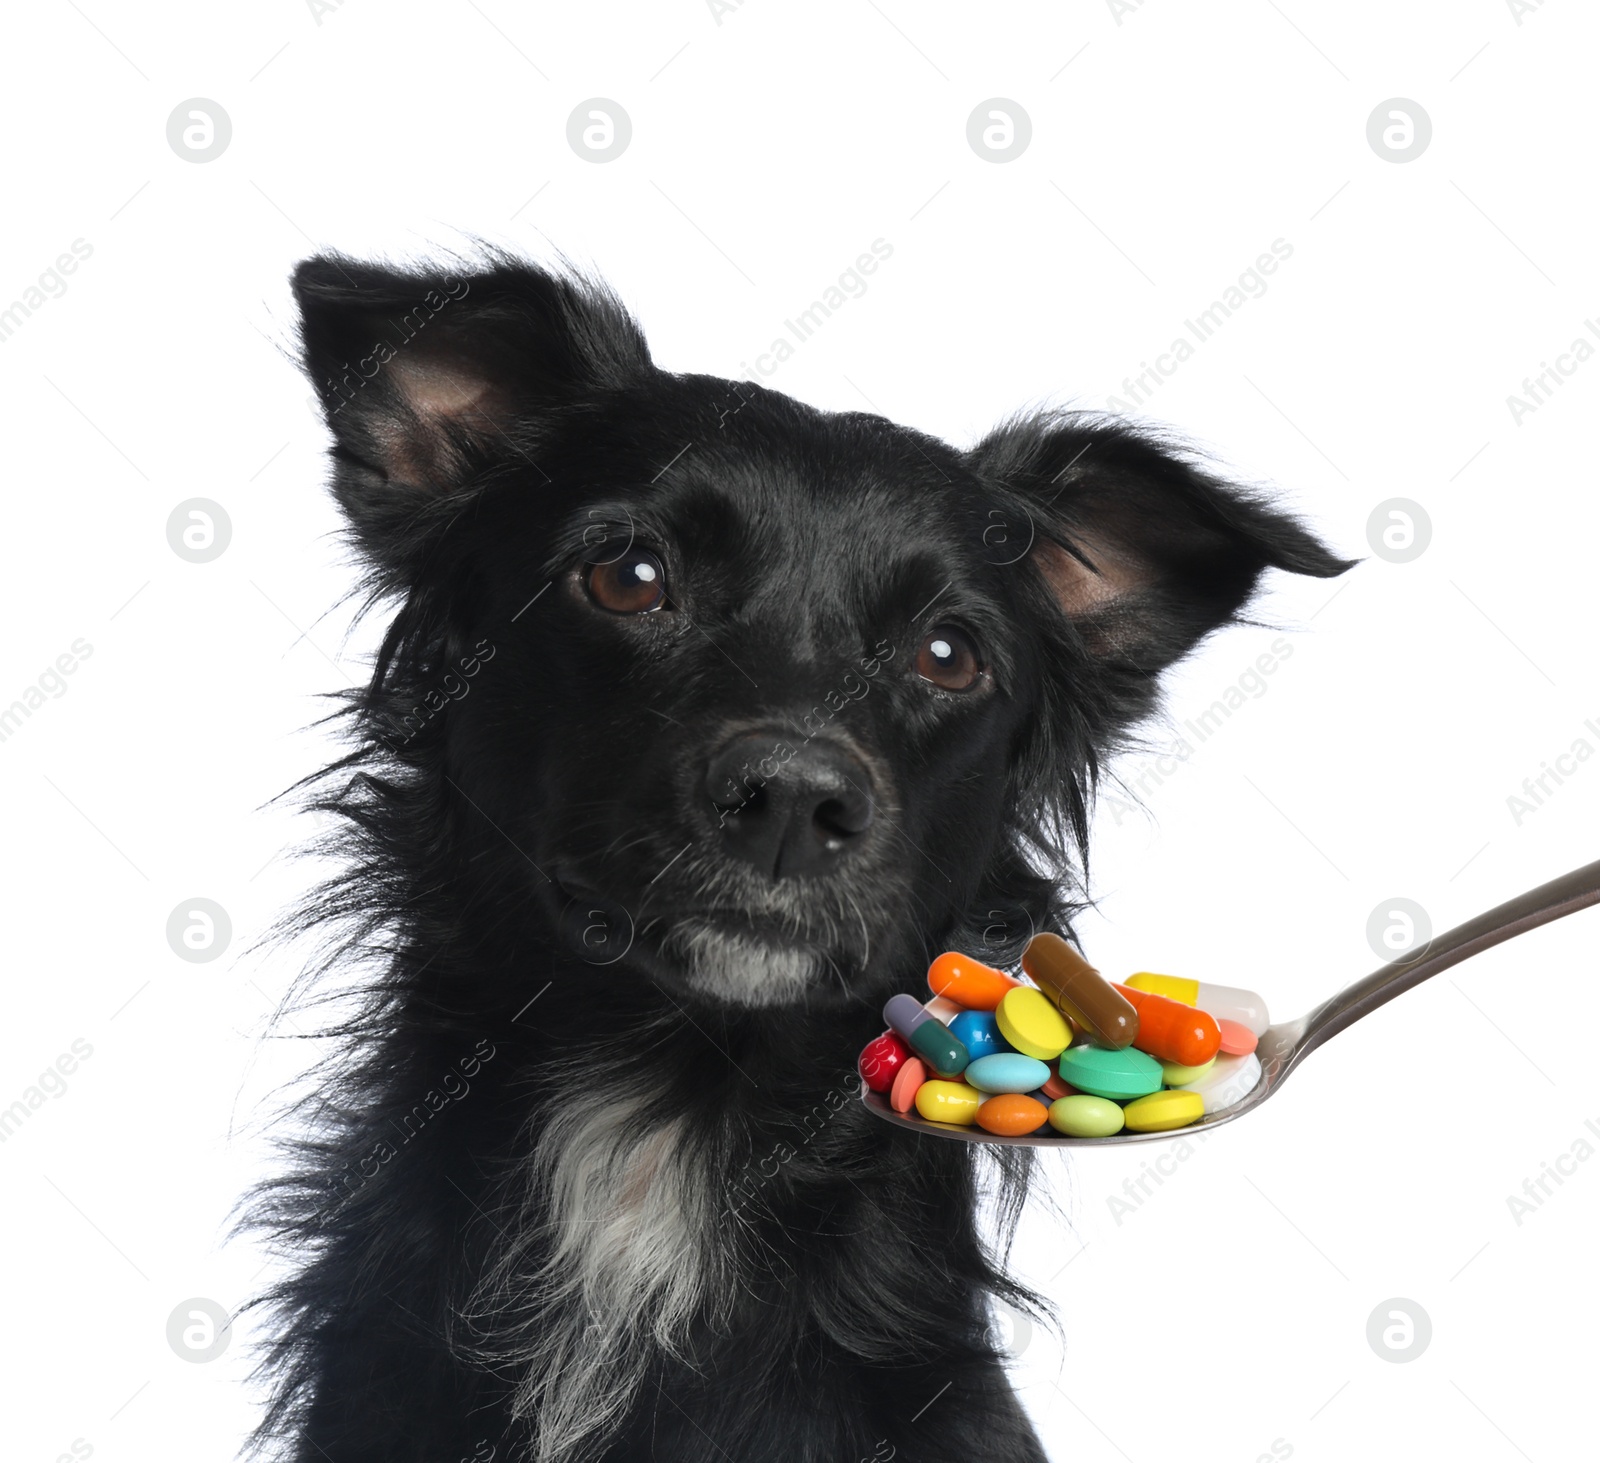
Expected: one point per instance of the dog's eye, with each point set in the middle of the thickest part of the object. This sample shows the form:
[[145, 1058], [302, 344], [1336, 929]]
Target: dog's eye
[[948, 658], [631, 585]]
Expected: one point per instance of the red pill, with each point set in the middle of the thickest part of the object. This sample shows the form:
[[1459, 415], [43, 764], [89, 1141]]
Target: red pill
[[880, 1059], [967, 983], [1171, 1031]]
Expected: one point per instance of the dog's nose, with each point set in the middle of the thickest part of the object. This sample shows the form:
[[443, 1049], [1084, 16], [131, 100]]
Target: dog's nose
[[789, 815]]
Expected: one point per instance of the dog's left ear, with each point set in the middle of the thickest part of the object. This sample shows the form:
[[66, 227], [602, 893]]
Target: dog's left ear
[[1139, 547]]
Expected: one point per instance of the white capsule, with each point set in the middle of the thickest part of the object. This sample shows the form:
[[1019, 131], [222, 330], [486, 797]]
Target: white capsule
[[1224, 1002], [1230, 1080]]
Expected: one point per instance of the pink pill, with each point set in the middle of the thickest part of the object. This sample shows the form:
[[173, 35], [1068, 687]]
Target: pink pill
[[1238, 1040], [903, 1094]]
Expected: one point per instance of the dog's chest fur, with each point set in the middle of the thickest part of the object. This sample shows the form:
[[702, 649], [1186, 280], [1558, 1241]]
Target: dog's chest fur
[[614, 1255]]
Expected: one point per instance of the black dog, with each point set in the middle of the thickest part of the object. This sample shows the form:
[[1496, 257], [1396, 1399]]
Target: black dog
[[705, 721]]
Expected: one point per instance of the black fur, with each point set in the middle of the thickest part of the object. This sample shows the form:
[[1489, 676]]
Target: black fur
[[524, 817]]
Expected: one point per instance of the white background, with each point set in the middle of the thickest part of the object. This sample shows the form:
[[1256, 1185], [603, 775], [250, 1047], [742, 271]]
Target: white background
[[1227, 1309]]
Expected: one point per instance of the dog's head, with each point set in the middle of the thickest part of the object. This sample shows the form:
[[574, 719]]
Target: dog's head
[[755, 699]]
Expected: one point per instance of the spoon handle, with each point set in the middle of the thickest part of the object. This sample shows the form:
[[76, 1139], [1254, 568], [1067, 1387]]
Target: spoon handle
[[1560, 897]]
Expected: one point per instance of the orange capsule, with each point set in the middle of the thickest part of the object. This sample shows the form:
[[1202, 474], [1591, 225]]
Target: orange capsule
[[1171, 1031], [968, 983], [1012, 1115]]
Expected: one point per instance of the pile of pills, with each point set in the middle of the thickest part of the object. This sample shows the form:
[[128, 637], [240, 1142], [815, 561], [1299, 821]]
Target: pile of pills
[[1155, 1053]]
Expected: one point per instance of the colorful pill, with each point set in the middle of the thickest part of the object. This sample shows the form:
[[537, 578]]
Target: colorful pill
[[1011, 1114], [1113, 1072], [1176, 1075], [1055, 1088], [968, 983], [926, 1034], [880, 1059], [1162, 1110], [1079, 991], [907, 1080], [1230, 1080], [1238, 1040], [1224, 1002], [1006, 1072], [1031, 1024], [949, 1102], [976, 1030], [1155, 1054], [1173, 1031], [1083, 1116]]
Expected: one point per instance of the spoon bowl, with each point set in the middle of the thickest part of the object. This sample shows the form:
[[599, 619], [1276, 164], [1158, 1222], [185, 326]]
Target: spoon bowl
[[1284, 1046]]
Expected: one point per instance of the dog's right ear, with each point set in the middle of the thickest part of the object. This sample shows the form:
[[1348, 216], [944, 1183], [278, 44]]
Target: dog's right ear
[[430, 379]]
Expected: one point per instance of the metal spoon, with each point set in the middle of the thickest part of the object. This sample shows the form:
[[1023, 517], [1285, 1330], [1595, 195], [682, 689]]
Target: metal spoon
[[1284, 1046]]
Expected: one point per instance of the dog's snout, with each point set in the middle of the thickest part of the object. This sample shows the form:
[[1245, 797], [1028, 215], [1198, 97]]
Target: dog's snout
[[790, 811]]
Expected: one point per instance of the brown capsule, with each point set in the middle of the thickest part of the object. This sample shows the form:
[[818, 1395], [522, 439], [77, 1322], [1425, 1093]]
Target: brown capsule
[[1080, 992]]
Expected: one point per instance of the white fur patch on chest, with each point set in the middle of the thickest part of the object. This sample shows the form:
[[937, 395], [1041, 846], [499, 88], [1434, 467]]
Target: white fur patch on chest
[[615, 1252]]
